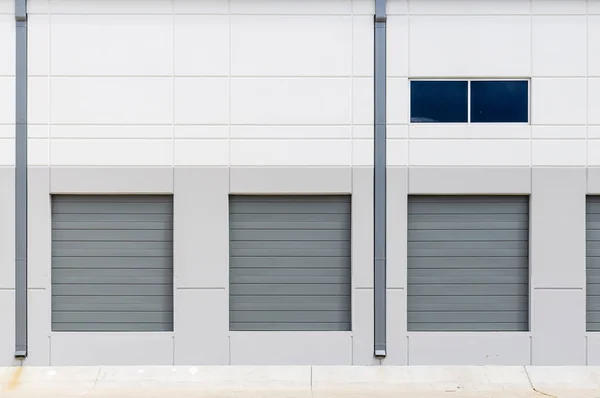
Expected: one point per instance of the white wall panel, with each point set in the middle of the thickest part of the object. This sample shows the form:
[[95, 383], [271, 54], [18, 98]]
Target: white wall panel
[[116, 131], [291, 7], [593, 6], [593, 154], [38, 45], [38, 152], [291, 132], [502, 46], [441, 131], [470, 46], [362, 152], [201, 7], [90, 152], [470, 153], [397, 131], [201, 45], [291, 101], [201, 153], [462, 7], [559, 153], [7, 100], [558, 101], [291, 63], [395, 7], [7, 45], [558, 7], [593, 132], [204, 132], [7, 7], [364, 132], [498, 131], [201, 101], [397, 45], [291, 45], [363, 45], [7, 152], [35, 131], [559, 46], [363, 7], [363, 101], [37, 6], [38, 100], [593, 101], [112, 101], [592, 45], [111, 7], [115, 45], [397, 100], [397, 152], [7, 131], [291, 152], [558, 132], [478, 131]]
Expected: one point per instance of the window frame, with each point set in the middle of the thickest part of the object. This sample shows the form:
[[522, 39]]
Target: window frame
[[469, 80]]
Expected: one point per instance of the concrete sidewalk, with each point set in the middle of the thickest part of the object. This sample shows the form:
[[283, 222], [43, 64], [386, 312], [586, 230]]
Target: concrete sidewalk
[[301, 381]]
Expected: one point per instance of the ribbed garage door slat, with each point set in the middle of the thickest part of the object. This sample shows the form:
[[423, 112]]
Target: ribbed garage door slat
[[593, 263], [112, 263], [468, 263], [289, 263]]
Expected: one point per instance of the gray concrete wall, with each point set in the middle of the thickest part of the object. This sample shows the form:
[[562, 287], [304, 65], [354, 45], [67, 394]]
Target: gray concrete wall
[[7, 265], [557, 333]]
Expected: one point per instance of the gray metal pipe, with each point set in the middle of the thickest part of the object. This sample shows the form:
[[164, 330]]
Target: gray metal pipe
[[380, 180], [21, 181]]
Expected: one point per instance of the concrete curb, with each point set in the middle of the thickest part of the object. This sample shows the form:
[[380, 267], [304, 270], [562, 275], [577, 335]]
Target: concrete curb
[[557, 381], [422, 378], [302, 380], [209, 377]]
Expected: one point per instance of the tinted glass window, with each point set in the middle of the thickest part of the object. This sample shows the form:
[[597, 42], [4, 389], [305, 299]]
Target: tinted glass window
[[499, 102], [438, 101]]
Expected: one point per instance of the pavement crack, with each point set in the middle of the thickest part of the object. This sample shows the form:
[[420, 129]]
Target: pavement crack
[[533, 387], [97, 377]]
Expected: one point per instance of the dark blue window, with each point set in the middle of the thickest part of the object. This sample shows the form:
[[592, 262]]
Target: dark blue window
[[438, 101], [499, 101]]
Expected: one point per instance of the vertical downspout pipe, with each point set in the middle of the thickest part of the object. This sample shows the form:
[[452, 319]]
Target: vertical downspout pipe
[[21, 181], [380, 180]]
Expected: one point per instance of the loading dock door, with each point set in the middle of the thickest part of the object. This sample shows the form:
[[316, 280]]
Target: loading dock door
[[593, 263], [468, 263], [112, 263], [289, 263]]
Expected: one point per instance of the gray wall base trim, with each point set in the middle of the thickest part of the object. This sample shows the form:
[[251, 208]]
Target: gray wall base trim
[[107, 180], [290, 180], [201, 257], [469, 180]]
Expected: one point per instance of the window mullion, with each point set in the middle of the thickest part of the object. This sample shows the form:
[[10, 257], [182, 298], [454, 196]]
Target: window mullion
[[468, 102]]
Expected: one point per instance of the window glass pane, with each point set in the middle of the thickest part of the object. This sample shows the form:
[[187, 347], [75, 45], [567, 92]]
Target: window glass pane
[[438, 101], [499, 102]]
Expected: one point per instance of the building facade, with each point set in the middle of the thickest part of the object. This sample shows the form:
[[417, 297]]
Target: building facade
[[200, 182]]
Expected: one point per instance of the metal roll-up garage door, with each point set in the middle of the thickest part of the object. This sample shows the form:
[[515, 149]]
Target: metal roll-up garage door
[[468, 267], [112, 263], [289, 263], [593, 263]]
